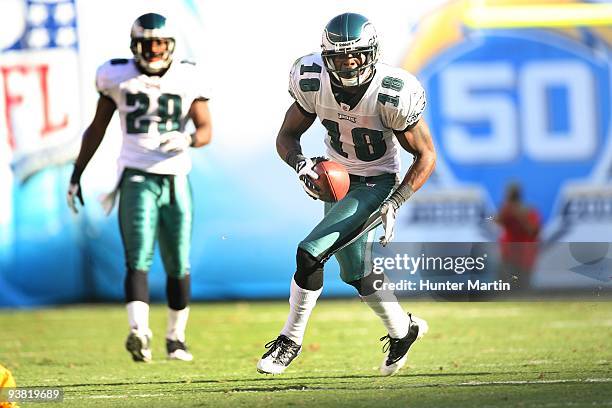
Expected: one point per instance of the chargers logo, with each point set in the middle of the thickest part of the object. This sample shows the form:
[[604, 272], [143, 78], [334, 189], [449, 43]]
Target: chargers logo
[[528, 104]]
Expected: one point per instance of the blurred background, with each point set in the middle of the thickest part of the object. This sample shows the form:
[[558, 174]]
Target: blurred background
[[516, 99]]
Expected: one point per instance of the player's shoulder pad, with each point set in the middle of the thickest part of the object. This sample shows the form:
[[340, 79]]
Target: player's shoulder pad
[[308, 66], [309, 59], [397, 82], [194, 76], [113, 72], [187, 67], [305, 80], [119, 61], [400, 94]]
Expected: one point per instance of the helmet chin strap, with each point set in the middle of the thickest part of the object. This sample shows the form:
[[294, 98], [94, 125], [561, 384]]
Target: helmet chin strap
[[157, 66], [153, 67], [359, 79], [349, 81]]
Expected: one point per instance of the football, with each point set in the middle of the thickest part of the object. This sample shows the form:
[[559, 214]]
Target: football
[[333, 181]]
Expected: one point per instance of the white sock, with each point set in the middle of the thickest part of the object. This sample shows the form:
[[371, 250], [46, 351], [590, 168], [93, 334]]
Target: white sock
[[177, 322], [390, 312], [138, 316], [301, 303]]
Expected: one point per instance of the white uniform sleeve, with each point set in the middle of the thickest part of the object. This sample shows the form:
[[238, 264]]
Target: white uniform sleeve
[[108, 77], [204, 90], [304, 84], [197, 79], [403, 101]]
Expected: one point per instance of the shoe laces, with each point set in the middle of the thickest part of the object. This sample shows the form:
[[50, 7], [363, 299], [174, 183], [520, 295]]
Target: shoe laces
[[389, 345], [282, 349]]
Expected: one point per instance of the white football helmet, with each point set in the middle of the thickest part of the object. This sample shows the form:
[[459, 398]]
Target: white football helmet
[[146, 28], [350, 33]]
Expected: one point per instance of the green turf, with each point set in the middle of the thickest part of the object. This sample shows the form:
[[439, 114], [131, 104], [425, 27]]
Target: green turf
[[476, 354]]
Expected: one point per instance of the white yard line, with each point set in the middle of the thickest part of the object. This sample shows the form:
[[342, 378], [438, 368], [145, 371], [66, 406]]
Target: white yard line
[[425, 385], [525, 382], [116, 396]]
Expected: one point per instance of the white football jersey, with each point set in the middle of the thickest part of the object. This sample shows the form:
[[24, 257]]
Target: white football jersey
[[148, 107], [361, 138]]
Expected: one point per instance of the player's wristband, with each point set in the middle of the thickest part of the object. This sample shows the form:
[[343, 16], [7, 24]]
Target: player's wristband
[[293, 158], [75, 178], [400, 195]]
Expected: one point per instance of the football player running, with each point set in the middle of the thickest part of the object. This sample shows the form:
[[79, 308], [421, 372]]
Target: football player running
[[155, 97], [370, 110]]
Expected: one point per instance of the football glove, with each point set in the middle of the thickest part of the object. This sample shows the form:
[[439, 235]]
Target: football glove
[[388, 210], [175, 142], [74, 193], [388, 213], [307, 175], [74, 190]]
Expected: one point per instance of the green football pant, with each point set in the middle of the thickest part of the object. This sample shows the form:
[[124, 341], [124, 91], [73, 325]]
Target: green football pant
[[154, 206], [343, 220]]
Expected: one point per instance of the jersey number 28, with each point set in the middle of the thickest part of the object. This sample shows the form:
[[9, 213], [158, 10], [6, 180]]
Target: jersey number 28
[[168, 110]]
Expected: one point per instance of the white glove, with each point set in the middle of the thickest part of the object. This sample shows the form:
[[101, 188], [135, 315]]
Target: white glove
[[175, 142], [388, 214], [306, 174], [74, 193]]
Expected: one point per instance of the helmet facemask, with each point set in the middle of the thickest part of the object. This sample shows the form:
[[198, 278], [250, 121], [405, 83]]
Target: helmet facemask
[[349, 77], [149, 60], [150, 32]]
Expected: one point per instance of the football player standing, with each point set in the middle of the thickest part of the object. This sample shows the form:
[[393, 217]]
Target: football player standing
[[155, 97], [370, 110]]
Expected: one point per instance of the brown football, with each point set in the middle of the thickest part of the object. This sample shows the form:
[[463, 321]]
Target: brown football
[[333, 181]]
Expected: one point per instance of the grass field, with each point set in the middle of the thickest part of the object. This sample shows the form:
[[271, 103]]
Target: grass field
[[554, 354]]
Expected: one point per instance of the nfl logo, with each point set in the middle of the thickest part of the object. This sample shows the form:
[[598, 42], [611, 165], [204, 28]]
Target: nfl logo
[[38, 63]]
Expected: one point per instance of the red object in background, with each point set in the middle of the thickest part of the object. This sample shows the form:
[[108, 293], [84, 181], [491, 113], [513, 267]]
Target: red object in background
[[39, 73], [520, 236]]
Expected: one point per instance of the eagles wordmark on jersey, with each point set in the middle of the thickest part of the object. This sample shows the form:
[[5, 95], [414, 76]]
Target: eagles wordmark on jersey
[[360, 138]]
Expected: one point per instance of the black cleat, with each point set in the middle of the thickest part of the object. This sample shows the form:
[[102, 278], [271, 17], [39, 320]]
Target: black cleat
[[281, 353], [398, 348], [139, 346], [177, 350]]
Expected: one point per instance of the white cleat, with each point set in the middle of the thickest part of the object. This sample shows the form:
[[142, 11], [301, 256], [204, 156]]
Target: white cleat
[[267, 366], [398, 348]]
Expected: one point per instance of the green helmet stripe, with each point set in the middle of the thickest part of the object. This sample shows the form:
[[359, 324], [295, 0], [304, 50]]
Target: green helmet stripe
[[151, 21]]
